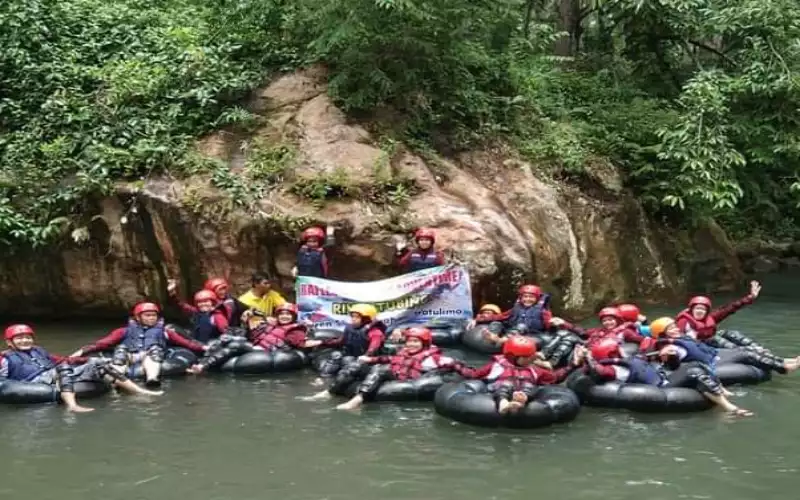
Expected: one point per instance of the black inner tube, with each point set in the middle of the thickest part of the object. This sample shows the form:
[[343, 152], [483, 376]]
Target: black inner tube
[[15, 392], [471, 403]]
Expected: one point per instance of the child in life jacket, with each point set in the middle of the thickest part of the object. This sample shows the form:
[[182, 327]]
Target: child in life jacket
[[365, 335], [424, 256], [311, 257], [231, 307], [144, 340], [688, 349], [700, 321], [24, 361], [208, 321], [417, 358], [530, 315], [604, 363], [613, 325], [286, 333], [513, 377]]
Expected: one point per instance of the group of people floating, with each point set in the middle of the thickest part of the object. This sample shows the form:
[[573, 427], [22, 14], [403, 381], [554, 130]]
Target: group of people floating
[[224, 327]]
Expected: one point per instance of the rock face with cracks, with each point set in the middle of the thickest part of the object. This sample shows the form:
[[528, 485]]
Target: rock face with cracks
[[503, 219]]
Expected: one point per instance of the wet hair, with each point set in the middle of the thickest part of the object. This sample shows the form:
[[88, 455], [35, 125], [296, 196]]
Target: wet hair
[[259, 276]]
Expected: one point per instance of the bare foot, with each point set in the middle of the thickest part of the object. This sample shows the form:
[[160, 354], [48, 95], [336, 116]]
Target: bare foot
[[320, 396], [195, 369], [504, 406], [80, 409], [515, 406], [350, 405]]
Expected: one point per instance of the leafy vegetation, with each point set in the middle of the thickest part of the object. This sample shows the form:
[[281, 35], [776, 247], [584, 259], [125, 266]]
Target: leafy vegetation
[[696, 100]]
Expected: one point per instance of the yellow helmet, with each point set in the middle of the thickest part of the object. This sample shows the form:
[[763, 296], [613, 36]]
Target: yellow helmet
[[490, 307], [365, 310], [659, 326]]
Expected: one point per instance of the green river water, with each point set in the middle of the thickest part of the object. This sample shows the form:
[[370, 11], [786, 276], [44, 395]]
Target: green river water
[[224, 438]]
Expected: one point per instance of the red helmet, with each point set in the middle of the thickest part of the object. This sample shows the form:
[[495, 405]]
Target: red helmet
[[143, 307], [419, 332], [425, 232], [519, 346], [606, 349], [287, 307], [214, 283], [700, 301], [609, 311], [629, 312], [312, 232], [205, 296], [532, 289], [16, 330]]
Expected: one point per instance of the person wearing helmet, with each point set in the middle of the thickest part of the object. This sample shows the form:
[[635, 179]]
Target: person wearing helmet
[[144, 340], [424, 256], [417, 358], [261, 298], [24, 361], [613, 325], [700, 321], [688, 349], [530, 315], [631, 313], [208, 321], [285, 334], [363, 336], [604, 363], [312, 259], [513, 375]]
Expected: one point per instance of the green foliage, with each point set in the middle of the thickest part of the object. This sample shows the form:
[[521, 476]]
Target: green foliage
[[97, 91], [696, 100], [443, 65]]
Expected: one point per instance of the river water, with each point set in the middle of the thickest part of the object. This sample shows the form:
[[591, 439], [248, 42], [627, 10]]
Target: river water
[[225, 438]]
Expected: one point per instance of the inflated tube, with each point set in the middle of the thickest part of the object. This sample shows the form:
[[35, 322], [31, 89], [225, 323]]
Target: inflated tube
[[421, 389], [443, 335], [470, 402], [474, 340], [257, 362], [636, 397], [739, 373], [14, 392], [176, 361]]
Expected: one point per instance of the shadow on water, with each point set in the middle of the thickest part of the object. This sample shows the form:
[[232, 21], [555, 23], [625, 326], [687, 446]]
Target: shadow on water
[[248, 438]]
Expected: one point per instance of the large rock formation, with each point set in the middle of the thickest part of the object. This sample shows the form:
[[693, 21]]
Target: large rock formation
[[501, 217]]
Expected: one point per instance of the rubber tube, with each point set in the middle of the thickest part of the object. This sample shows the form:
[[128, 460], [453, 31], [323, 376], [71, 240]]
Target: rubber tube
[[257, 361], [175, 363], [471, 403], [15, 392], [474, 340], [636, 397], [421, 389]]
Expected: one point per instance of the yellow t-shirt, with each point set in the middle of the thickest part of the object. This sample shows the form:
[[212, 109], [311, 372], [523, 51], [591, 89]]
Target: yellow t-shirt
[[265, 304]]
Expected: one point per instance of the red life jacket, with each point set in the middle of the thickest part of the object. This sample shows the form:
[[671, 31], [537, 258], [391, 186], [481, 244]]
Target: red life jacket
[[705, 328], [514, 373], [274, 337], [406, 366], [616, 333]]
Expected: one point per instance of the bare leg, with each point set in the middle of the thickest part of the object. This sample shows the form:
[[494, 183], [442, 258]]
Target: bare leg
[[354, 403], [72, 404], [131, 387], [152, 370]]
